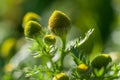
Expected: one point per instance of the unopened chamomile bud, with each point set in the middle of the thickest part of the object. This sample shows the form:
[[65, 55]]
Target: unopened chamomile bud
[[32, 29], [49, 39], [30, 16], [59, 23], [101, 60], [82, 68], [61, 76]]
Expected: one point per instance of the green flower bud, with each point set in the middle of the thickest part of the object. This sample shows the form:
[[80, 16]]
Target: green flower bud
[[59, 23], [101, 61], [61, 76], [82, 68], [49, 39], [32, 28], [30, 16]]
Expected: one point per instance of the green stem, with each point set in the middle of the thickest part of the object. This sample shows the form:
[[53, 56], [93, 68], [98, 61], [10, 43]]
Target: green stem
[[39, 41], [62, 53], [77, 61], [41, 44]]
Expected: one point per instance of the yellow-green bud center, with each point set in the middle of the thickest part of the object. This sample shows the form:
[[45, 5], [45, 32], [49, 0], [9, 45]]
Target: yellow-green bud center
[[30, 16], [61, 76], [59, 23], [101, 61], [82, 68], [49, 39], [32, 28]]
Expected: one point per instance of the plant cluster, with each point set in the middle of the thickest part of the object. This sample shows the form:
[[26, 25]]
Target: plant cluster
[[50, 47]]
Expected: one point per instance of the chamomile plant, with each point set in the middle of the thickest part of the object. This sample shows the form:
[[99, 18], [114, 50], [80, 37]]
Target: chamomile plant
[[51, 56]]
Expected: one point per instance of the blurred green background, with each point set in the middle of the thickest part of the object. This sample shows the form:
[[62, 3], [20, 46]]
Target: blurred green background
[[102, 15]]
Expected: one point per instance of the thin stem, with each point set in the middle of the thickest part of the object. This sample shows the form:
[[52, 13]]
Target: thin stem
[[38, 40], [62, 52]]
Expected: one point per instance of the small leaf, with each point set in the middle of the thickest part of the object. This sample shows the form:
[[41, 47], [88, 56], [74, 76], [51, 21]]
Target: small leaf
[[99, 72], [78, 42]]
